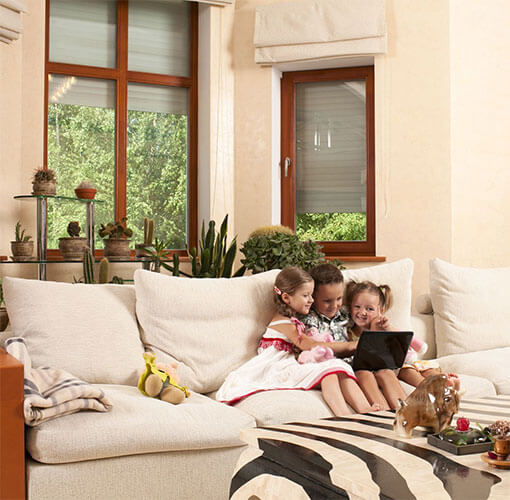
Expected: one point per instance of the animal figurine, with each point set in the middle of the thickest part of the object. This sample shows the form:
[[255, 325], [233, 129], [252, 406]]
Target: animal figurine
[[160, 381], [432, 404], [318, 353]]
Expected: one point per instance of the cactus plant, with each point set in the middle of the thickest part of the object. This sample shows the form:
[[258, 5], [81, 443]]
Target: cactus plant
[[104, 270], [88, 267], [148, 231], [20, 234], [116, 229], [44, 175], [73, 229]]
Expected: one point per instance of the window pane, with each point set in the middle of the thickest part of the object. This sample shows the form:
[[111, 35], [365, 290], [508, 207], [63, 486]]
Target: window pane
[[331, 161], [159, 38], [157, 161], [83, 32], [81, 146]]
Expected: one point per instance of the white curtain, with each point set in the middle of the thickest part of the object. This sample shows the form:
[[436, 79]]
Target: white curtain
[[317, 29], [11, 24]]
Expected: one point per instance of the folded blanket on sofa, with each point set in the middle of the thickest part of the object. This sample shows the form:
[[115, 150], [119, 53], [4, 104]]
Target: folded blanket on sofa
[[50, 392]]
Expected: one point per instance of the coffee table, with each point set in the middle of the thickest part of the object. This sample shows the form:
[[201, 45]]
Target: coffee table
[[360, 457]]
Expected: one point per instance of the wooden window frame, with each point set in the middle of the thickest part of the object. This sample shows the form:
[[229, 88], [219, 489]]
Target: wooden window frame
[[288, 126], [122, 76]]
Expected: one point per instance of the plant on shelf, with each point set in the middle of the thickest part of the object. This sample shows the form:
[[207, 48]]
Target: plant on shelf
[[85, 190], [72, 247], [44, 182], [158, 253], [4, 319], [148, 234], [114, 235], [22, 247], [275, 247], [104, 271]]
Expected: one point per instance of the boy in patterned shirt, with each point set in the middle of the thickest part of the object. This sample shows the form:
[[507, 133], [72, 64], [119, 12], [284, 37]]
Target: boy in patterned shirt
[[326, 312]]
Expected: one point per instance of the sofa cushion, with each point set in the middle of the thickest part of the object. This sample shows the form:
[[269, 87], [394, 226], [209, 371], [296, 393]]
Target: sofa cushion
[[209, 326], [471, 310], [87, 330], [137, 424], [491, 364], [398, 275]]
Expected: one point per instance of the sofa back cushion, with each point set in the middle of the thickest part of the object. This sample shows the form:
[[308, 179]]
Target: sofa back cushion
[[209, 326], [398, 275], [87, 330], [471, 310]]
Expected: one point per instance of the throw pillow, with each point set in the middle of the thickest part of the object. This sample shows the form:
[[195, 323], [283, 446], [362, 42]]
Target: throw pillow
[[398, 275], [89, 331], [470, 307], [209, 326]]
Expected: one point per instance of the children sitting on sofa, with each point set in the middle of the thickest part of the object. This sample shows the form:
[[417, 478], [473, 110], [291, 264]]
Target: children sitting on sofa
[[367, 303], [276, 367]]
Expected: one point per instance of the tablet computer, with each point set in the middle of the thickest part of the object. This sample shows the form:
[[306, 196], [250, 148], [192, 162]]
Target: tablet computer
[[378, 350]]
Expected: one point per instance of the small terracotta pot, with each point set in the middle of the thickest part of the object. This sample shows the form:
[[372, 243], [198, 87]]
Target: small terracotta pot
[[139, 251], [22, 250], [72, 248], [117, 248], [85, 193], [48, 188], [502, 447]]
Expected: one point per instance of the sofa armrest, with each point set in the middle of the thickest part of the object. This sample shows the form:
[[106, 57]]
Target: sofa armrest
[[12, 428], [423, 328]]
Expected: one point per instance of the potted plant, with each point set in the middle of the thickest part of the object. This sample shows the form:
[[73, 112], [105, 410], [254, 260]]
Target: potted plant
[[45, 182], [72, 247], [148, 233], [275, 247], [22, 248], [114, 235], [4, 319], [85, 190]]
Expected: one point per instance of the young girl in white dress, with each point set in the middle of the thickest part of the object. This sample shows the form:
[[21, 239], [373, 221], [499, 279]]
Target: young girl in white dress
[[276, 368]]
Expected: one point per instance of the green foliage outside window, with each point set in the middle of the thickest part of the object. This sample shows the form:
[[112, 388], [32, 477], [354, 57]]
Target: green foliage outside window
[[81, 146], [332, 226]]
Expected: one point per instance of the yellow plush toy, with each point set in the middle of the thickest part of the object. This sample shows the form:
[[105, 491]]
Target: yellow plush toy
[[160, 381]]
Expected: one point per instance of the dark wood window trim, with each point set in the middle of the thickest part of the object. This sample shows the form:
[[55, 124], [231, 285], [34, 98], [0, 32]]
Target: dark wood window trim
[[288, 183], [122, 77]]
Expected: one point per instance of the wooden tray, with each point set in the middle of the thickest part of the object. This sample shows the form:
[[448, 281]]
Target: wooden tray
[[464, 449]]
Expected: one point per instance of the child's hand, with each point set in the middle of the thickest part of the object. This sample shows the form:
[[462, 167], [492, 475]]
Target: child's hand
[[380, 323]]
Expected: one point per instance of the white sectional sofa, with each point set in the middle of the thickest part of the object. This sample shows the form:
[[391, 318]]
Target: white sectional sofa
[[146, 448]]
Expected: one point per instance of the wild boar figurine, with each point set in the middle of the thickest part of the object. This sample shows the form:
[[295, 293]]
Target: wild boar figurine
[[432, 404]]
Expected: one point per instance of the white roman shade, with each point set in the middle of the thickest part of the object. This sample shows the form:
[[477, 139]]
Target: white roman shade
[[11, 24], [221, 3], [319, 29]]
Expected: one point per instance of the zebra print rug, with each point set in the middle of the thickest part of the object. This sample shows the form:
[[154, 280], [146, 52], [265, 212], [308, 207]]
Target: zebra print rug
[[360, 457]]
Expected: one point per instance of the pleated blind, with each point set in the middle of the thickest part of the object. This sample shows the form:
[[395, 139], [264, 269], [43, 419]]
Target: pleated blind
[[11, 23], [330, 147]]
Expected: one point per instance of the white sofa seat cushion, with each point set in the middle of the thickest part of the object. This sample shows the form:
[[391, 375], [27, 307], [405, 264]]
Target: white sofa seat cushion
[[137, 424], [89, 331], [470, 305], [209, 326], [398, 276], [491, 364]]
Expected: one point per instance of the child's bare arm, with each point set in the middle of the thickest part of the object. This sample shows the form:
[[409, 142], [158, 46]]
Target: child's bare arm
[[343, 349], [303, 342], [381, 323]]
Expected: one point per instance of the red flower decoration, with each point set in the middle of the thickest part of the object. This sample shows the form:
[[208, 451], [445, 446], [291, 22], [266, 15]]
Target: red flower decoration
[[462, 424]]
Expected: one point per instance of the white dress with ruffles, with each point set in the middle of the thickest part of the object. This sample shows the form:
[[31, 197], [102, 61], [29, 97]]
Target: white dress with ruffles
[[275, 368]]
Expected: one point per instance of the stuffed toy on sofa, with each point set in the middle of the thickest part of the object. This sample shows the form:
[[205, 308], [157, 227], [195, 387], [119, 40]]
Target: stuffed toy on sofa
[[160, 381], [318, 353]]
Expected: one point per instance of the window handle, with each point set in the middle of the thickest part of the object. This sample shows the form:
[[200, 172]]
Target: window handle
[[286, 164]]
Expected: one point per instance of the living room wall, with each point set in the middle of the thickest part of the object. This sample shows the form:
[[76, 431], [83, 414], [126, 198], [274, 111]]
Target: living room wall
[[442, 115]]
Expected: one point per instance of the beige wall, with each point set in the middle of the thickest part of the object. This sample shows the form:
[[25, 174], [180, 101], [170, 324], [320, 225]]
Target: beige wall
[[442, 128]]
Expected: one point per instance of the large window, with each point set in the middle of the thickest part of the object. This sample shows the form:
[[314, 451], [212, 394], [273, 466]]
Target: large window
[[122, 113], [328, 158]]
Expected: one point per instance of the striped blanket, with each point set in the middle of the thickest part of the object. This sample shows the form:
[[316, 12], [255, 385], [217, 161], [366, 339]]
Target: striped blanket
[[50, 392]]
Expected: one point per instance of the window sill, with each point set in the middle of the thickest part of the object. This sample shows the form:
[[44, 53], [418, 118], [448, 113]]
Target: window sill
[[356, 258]]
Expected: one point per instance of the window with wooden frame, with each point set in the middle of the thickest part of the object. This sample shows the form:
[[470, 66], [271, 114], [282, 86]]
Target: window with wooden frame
[[121, 100], [327, 158]]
